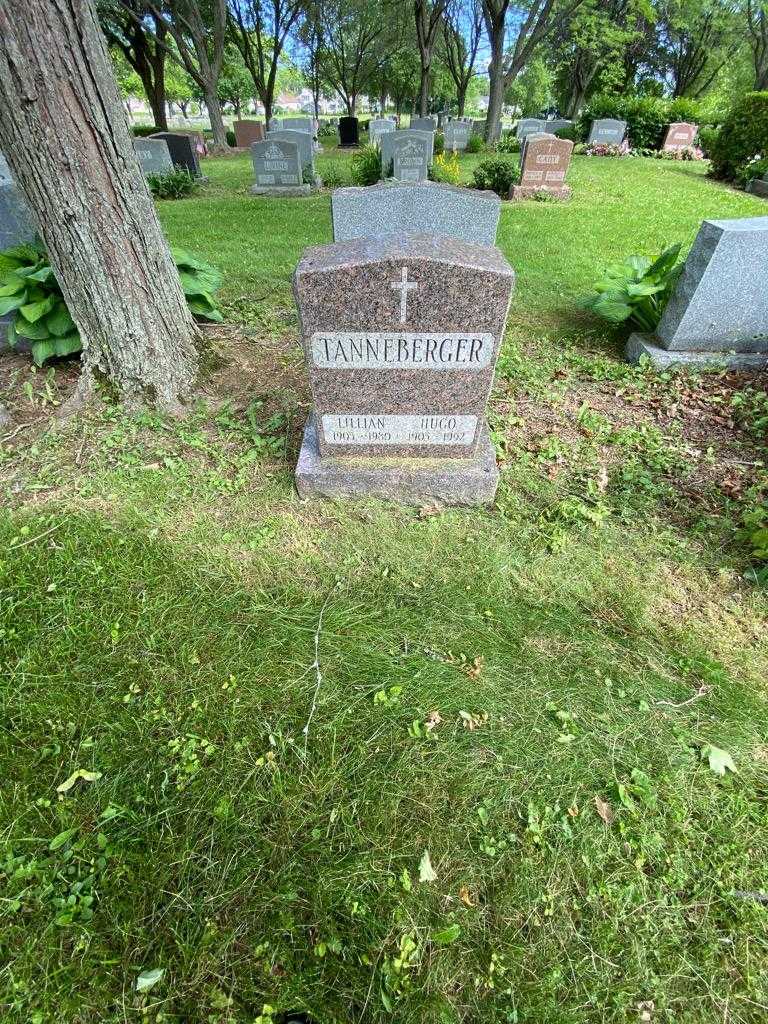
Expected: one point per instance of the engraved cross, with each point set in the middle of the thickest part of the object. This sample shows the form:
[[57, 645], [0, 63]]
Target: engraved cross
[[404, 286]]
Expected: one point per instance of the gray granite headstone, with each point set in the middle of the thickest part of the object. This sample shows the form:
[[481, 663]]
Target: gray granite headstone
[[607, 131], [304, 142], [300, 124], [457, 135], [379, 126], [16, 225], [400, 382], [423, 124], [387, 144], [183, 151], [394, 208], [759, 187], [527, 125], [558, 124], [718, 311], [154, 157], [274, 124], [278, 168], [410, 159]]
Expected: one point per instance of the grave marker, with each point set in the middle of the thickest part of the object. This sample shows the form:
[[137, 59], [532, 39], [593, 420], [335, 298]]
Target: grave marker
[[183, 151], [278, 169], [248, 132], [306, 148], [680, 135], [457, 135], [718, 311], [154, 156], [528, 125], [379, 126], [349, 132], [388, 141], [400, 381], [423, 124], [607, 131], [394, 208], [544, 164], [410, 159]]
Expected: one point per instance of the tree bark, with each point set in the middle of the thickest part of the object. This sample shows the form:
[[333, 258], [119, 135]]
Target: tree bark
[[496, 33], [66, 137]]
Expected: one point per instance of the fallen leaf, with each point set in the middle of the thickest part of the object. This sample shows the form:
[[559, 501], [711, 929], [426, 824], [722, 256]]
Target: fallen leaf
[[472, 722], [80, 773], [605, 811], [433, 719], [426, 872], [465, 897], [474, 670], [720, 761], [147, 979]]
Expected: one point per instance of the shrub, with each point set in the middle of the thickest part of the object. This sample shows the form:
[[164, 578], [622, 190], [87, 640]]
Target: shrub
[[752, 169], [175, 184], [231, 138], [646, 117], [571, 133], [636, 290], [497, 174], [439, 143], [743, 136], [445, 168], [326, 130], [708, 139], [29, 290], [476, 144], [141, 131], [684, 109], [508, 143], [366, 166], [334, 177]]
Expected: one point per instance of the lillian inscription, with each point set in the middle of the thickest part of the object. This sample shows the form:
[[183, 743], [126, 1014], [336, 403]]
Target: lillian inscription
[[439, 429], [379, 350]]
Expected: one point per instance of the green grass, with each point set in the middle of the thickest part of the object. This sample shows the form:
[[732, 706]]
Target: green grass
[[163, 596]]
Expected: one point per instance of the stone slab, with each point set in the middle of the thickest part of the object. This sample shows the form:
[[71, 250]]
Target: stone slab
[[153, 155], [416, 347], [388, 142], [758, 187], [277, 165], [720, 303], [545, 162], [471, 481], [349, 132], [457, 135], [607, 131], [423, 124], [393, 208], [527, 125], [410, 158], [182, 150], [303, 140], [248, 132], [640, 345], [680, 135]]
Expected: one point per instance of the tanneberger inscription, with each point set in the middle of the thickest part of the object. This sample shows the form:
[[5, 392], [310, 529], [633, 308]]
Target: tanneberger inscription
[[374, 350], [361, 428]]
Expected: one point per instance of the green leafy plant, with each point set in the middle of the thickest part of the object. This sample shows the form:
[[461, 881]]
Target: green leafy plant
[[366, 166], [475, 144], [29, 290], [757, 168], [508, 143], [439, 145], [334, 177], [445, 168], [141, 131], [636, 290], [497, 174], [175, 184]]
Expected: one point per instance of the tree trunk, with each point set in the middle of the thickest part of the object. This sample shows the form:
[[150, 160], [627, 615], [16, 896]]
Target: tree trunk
[[496, 92], [461, 97], [156, 97], [71, 152], [216, 118]]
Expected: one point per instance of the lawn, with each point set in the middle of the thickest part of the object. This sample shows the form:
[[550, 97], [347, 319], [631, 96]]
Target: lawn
[[347, 762]]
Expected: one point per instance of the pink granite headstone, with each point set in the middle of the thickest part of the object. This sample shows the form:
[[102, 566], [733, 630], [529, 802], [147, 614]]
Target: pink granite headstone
[[248, 132], [680, 135], [545, 162]]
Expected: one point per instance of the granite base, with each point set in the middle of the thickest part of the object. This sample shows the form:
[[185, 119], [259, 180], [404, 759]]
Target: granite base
[[758, 187], [531, 191], [281, 191], [640, 345], [408, 481]]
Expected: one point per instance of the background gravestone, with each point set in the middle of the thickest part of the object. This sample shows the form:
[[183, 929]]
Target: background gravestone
[[423, 124], [607, 131], [154, 156], [306, 149], [428, 208], [478, 127], [182, 150], [278, 169], [16, 224], [558, 124], [300, 124], [528, 138], [248, 132], [680, 135], [410, 158], [379, 126], [349, 132], [400, 381], [544, 164], [387, 144], [457, 135], [759, 186], [528, 125], [718, 311], [274, 124]]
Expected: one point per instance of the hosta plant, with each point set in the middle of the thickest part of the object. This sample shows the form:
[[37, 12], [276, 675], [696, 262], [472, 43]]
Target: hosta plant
[[30, 292], [636, 290]]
